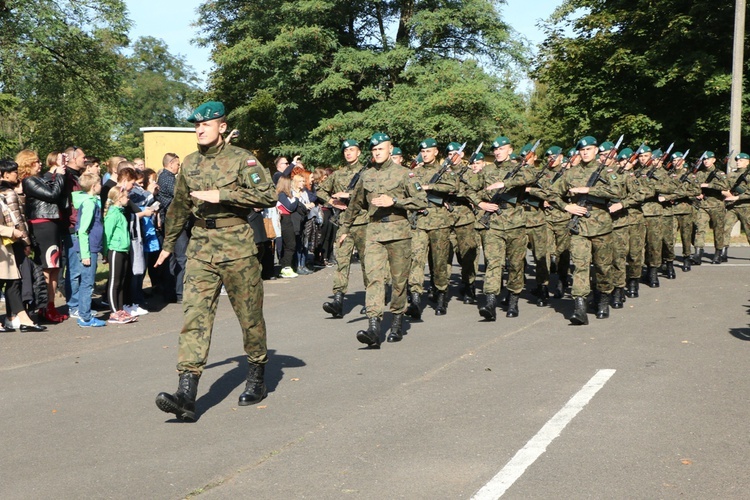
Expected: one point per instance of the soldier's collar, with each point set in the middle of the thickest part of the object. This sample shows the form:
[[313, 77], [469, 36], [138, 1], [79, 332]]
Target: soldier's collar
[[211, 151]]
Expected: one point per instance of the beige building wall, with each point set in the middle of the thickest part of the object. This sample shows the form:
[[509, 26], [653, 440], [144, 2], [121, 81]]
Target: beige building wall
[[158, 141]]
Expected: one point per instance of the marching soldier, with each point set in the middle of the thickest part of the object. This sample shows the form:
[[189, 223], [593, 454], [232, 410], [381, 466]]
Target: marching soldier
[[738, 207], [682, 208], [336, 191], [536, 228], [386, 192], [712, 181], [220, 185], [557, 222], [466, 240]]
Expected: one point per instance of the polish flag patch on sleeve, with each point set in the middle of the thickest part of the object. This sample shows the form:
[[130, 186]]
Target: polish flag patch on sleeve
[[251, 162]]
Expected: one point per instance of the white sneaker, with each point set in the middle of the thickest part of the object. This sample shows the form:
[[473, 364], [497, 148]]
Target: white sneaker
[[135, 310], [288, 272]]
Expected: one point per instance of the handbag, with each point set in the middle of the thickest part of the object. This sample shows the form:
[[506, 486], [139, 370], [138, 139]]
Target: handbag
[[270, 232]]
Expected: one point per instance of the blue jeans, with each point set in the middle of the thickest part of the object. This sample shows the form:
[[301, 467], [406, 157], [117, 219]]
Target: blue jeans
[[72, 270], [88, 278]]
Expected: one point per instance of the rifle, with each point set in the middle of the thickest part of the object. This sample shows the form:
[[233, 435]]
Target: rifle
[[439, 199], [693, 170], [742, 178], [713, 172], [534, 201], [631, 159], [336, 212], [664, 156], [574, 224], [498, 197]]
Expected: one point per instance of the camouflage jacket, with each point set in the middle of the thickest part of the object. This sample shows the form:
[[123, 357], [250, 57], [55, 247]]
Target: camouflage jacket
[[658, 185], [436, 216], [243, 184], [742, 190], [534, 198], [391, 223], [339, 181], [633, 193], [511, 210], [683, 198], [607, 189], [712, 197], [553, 214], [463, 208]]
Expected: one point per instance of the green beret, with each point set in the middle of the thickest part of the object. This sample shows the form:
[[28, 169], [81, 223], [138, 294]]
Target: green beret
[[624, 154], [710, 154], [513, 156], [676, 155], [606, 146], [742, 156], [571, 152], [500, 141], [553, 150], [525, 150], [589, 140], [479, 156], [428, 143], [453, 146], [349, 143], [377, 138], [208, 111], [658, 152], [396, 152], [644, 149]]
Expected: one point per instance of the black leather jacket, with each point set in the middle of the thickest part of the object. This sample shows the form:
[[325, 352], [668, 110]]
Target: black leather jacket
[[43, 196]]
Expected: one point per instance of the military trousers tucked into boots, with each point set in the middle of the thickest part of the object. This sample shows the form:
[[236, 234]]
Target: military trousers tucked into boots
[[380, 256], [583, 251], [356, 239], [636, 243], [435, 244], [654, 229], [499, 245], [203, 280]]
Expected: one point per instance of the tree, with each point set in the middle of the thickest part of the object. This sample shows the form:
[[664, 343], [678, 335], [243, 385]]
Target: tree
[[655, 70], [300, 75]]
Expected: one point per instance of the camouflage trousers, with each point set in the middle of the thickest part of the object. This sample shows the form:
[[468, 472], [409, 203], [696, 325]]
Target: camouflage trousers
[[387, 261], [539, 245], [559, 245], [583, 251], [344, 254], [620, 254], [706, 218], [667, 238], [203, 281], [499, 245], [654, 230], [685, 229], [435, 244], [467, 246], [636, 243], [741, 213]]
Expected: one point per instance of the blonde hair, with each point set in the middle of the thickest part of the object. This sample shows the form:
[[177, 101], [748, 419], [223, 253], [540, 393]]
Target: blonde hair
[[112, 197], [88, 180]]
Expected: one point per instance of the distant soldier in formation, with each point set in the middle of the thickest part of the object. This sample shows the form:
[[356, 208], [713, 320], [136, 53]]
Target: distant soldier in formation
[[736, 197], [682, 207], [711, 210], [557, 221]]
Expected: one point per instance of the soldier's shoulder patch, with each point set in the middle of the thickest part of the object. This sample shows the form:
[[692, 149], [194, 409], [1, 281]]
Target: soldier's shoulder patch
[[252, 162], [255, 177], [418, 186]]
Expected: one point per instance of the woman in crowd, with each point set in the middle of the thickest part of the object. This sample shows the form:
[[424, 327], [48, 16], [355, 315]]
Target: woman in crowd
[[44, 196], [287, 205]]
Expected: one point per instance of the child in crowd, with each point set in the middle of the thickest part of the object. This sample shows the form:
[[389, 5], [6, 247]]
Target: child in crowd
[[117, 244], [88, 244]]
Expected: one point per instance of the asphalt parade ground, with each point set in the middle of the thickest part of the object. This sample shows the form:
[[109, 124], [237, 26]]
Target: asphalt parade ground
[[653, 402]]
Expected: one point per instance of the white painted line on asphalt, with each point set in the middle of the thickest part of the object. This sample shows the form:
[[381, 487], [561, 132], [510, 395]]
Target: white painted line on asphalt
[[537, 445]]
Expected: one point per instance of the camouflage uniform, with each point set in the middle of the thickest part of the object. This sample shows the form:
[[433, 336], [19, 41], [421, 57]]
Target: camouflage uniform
[[658, 184], [738, 210], [337, 183], [622, 221], [388, 234], [711, 210], [557, 230], [682, 208], [536, 229], [221, 249], [631, 243], [466, 239]]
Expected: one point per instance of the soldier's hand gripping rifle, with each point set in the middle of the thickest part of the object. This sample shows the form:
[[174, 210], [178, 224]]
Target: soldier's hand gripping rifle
[[596, 176], [498, 196], [450, 160], [336, 212], [694, 170], [735, 190], [533, 200]]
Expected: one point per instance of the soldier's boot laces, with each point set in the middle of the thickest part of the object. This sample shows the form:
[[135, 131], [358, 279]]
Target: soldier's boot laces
[[543, 298], [717, 257], [512, 306], [617, 298], [255, 387], [725, 254], [697, 257], [602, 310], [396, 333], [371, 336], [182, 402], [440, 307], [413, 310], [470, 295], [579, 316], [336, 307], [670, 270], [653, 277], [487, 311], [686, 267]]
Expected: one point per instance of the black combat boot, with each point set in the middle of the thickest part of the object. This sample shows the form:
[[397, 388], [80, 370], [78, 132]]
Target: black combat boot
[[182, 402], [653, 277], [487, 311], [553, 264], [630, 288], [717, 256], [255, 387], [543, 298], [504, 297], [470, 294], [670, 270], [697, 257], [617, 298], [388, 293], [512, 306], [602, 310], [371, 337], [579, 316], [336, 307], [725, 254], [636, 288], [396, 334], [686, 267], [413, 310], [440, 307]]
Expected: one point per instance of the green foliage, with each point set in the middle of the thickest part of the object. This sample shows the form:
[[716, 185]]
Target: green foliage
[[655, 70]]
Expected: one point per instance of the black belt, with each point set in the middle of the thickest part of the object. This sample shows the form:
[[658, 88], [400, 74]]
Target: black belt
[[389, 218], [219, 223]]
